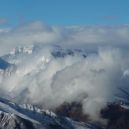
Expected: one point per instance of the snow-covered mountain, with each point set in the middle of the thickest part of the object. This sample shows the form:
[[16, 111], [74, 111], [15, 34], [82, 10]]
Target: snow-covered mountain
[[36, 57], [27, 62], [13, 116], [48, 76], [27, 116]]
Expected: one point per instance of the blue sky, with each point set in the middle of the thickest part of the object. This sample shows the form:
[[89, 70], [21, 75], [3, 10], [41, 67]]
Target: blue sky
[[65, 12]]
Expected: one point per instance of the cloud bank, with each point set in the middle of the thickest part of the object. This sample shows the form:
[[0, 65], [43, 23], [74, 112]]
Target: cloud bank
[[90, 37], [40, 78]]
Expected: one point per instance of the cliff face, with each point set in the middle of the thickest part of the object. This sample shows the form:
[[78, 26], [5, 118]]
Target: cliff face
[[116, 114], [11, 121], [73, 110], [118, 117]]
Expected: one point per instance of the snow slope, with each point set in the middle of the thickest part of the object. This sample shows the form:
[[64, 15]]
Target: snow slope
[[10, 113]]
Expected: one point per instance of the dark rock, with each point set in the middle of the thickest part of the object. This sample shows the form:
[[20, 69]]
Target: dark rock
[[73, 110], [118, 117]]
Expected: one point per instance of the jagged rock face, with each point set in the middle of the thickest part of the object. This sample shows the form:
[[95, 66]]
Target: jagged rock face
[[3, 64], [118, 117], [11, 121], [73, 110]]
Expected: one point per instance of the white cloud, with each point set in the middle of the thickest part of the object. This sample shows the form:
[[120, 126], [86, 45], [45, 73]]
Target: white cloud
[[3, 21], [90, 37], [49, 82], [43, 79]]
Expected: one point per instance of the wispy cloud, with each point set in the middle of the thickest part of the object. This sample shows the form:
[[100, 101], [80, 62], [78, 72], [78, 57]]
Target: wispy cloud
[[110, 17], [3, 21]]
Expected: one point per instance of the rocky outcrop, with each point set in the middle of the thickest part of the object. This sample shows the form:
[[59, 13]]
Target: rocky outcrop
[[73, 110], [117, 116]]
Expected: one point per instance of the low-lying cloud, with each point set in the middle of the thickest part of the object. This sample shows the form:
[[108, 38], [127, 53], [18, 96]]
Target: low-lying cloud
[[39, 78], [90, 37]]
